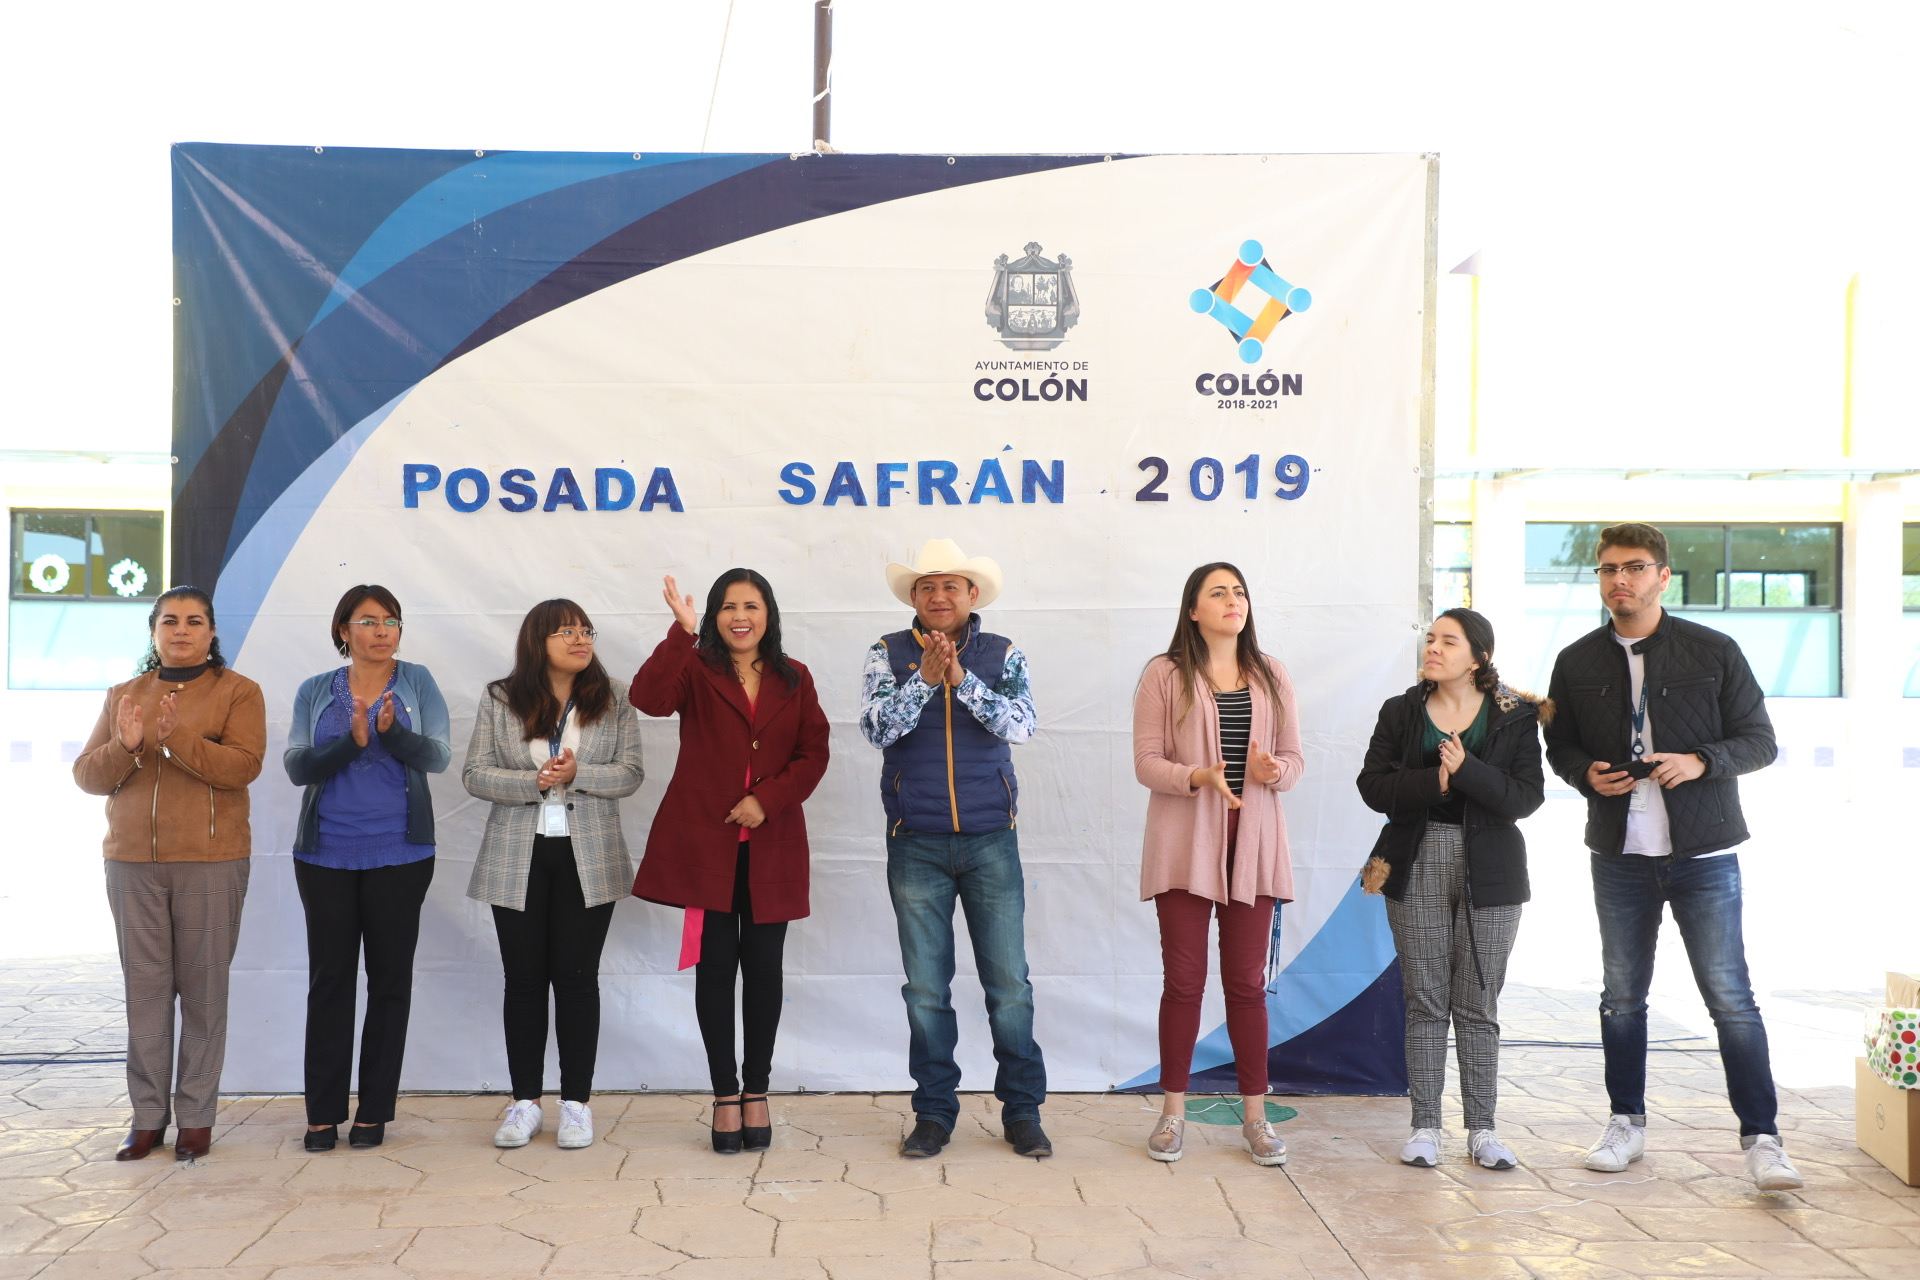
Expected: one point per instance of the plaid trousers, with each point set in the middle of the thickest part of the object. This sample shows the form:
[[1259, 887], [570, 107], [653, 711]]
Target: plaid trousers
[[1438, 935]]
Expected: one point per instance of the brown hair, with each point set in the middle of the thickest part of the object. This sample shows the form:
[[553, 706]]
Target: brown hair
[[343, 612], [1640, 537], [1188, 648], [525, 689]]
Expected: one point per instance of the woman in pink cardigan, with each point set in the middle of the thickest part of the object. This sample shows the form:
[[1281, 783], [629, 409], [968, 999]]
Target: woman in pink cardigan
[[1216, 741]]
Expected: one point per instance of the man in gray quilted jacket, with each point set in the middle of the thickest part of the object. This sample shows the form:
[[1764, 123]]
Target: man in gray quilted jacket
[[1655, 718]]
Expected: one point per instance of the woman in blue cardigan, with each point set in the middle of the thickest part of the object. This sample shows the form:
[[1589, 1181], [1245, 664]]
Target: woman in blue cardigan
[[364, 738]]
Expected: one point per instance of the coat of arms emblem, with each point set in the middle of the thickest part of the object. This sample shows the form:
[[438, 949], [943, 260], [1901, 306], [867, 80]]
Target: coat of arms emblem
[[1033, 302]]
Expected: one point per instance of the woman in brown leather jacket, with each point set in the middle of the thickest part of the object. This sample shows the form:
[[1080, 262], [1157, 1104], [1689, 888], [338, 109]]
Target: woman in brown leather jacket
[[173, 752]]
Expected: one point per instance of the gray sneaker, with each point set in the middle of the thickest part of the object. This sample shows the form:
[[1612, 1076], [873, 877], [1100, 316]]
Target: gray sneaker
[[1422, 1149], [1262, 1143], [1489, 1152]]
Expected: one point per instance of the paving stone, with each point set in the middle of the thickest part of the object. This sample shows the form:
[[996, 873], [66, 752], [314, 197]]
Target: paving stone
[[574, 1223], [978, 1240], [1205, 1258], [317, 1248], [709, 1230], [933, 1203], [1658, 1258], [856, 1267], [85, 1206], [907, 1241], [812, 1201], [995, 1270], [622, 1255], [200, 1246], [482, 1251], [121, 1235], [21, 1228], [685, 1191], [96, 1266], [436, 1211], [1090, 1255]]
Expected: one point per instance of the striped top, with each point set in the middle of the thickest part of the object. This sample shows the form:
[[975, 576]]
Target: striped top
[[1236, 726]]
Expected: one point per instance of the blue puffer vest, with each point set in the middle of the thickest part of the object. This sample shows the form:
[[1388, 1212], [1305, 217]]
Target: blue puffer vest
[[948, 774]]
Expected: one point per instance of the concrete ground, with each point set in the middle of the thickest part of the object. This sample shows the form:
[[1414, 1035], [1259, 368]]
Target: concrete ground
[[833, 1201]]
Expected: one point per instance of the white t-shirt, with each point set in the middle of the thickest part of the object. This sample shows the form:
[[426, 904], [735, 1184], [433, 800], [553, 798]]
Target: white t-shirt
[[1647, 829]]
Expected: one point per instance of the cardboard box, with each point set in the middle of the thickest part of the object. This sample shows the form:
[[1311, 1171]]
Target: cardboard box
[[1886, 1123]]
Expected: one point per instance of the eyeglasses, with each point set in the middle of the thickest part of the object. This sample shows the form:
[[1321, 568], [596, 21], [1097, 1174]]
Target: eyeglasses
[[1632, 570], [368, 624], [577, 633]]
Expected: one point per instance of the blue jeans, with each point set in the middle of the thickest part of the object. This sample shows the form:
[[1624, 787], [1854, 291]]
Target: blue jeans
[[924, 874], [1629, 892]]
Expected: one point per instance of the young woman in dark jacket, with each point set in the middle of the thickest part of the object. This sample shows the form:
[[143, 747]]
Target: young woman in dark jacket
[[1454, 763]]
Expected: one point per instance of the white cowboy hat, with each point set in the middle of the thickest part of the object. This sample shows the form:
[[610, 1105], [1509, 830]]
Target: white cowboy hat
[[943, 555]]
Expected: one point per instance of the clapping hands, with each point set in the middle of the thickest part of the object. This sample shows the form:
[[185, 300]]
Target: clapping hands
[[940, 661], [559, 771]]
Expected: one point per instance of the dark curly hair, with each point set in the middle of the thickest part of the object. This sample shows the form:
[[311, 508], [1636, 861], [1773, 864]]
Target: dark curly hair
[[151, 661], [714, 649]]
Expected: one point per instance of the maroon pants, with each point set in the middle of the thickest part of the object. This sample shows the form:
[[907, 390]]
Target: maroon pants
[[1245, 934]]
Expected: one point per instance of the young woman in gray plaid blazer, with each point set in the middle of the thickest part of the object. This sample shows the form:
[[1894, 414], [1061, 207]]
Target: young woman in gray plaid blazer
[[554, 750]]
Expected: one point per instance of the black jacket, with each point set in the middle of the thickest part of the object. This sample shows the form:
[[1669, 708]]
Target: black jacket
[[1701, 697], [1501, 785]]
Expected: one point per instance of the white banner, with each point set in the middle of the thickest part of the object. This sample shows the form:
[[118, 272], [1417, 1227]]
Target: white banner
[[816, 401]]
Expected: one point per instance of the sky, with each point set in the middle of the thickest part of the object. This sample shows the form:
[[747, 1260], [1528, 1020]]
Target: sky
[[1669, 199]]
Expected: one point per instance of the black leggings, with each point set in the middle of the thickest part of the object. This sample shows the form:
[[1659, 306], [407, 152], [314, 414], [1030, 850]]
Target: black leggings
[[554, 944], [732, 944]]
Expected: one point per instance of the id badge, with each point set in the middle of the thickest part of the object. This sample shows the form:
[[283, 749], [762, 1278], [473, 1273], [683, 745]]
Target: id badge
[[553, 818], [1642, 795]]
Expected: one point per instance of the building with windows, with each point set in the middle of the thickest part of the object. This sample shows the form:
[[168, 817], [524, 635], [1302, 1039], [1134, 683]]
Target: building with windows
[[1815, 572], [87, 539]]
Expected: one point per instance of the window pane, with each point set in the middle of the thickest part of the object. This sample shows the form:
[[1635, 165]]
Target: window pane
[[1793, 655], [1698, 556], [1452, 546], [80, 644], [1802, 561], [1910, 636], [1452, 589], [1560, 547], [50, 552], [1910, 566], [126, 555]]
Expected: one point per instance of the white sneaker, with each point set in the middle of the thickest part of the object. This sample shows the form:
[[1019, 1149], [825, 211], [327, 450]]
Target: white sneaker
[[1489, 1152], [1622, 1144], [1768, 1166], [576, 1125], [519, 1125], [1422, 1149]]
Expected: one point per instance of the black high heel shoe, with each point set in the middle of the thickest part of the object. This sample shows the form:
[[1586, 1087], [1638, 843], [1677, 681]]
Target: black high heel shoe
[[321, 1139], [727, 1144], [367, 1135], [755, 1137]]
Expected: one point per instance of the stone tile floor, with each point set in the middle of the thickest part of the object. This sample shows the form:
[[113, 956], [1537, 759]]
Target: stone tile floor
[[832, 1200]]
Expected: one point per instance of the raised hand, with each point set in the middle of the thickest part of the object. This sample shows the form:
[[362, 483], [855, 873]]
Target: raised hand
[[383, 719], [127, 725], [747, 813], [682, 607], [1262, 766], [166, 717], [1214, 777], [559, 771], [358, 725]]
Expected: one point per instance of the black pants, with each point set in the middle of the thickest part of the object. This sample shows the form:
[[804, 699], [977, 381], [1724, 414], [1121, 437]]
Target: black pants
[[553, 944], [731, 945], [378, 910]]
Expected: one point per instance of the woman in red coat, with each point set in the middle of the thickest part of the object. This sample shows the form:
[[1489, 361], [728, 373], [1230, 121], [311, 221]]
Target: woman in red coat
[[730, 841]]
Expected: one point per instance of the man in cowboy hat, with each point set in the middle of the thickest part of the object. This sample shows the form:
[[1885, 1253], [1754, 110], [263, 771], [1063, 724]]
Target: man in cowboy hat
[[945, 700]]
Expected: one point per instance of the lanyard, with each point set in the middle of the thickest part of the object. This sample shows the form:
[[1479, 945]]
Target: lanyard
[[559, 731], [1640, 720]]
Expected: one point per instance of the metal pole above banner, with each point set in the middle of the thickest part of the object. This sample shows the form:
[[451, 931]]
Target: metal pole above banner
[[822, 75]]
